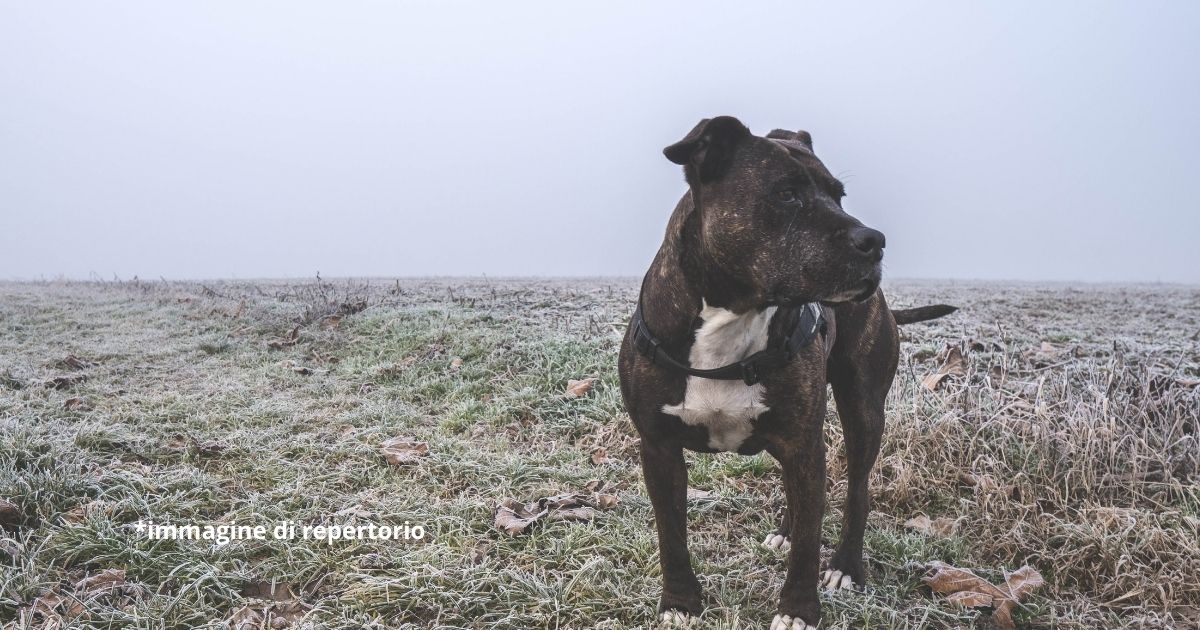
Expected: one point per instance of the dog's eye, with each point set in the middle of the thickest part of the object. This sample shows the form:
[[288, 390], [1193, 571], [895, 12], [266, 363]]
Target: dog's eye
[[788, 195]]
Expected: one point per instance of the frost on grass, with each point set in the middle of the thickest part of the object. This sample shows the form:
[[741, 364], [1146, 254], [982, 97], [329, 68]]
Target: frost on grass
[[1063, 436]]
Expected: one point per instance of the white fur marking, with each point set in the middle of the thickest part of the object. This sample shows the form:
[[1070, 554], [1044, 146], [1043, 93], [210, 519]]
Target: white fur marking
[[726, 408]]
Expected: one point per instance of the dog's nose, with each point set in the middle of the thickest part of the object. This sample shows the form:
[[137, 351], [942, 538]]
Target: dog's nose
[[869, 242]]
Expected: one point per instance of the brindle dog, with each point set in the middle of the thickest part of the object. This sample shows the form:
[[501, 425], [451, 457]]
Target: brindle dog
[[759, 234]]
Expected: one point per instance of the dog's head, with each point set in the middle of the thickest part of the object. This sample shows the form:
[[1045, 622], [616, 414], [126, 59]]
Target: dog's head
[[768, 215]]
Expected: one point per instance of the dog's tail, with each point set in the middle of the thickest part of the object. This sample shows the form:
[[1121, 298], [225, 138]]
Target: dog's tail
[[922, 313]]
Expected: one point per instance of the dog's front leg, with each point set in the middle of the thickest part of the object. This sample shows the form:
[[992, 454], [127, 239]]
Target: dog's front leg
[[666, 481], [802, 459]]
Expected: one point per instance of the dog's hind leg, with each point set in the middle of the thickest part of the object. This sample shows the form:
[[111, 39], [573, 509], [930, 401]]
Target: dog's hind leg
[[861, 379], [862, 426]]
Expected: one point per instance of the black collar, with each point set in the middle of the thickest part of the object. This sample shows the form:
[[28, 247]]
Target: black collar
[[809, 322]]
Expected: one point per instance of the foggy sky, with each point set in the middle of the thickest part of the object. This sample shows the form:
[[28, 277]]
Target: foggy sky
[[1039, 140]]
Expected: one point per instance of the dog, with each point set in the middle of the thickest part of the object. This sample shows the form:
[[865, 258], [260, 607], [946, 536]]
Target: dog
[[764, 290]]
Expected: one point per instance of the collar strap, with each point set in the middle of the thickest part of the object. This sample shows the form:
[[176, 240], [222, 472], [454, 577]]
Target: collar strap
[[808, 325]]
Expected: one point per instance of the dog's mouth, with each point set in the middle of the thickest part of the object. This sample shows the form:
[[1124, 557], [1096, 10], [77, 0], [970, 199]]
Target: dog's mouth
[[859, 290]]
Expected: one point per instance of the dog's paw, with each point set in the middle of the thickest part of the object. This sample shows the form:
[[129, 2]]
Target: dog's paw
[[784, 622], [676, 618], [834, 580], [777, 542]]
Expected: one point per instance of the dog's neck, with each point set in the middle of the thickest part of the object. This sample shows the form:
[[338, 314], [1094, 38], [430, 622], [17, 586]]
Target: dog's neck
[[682, 280]]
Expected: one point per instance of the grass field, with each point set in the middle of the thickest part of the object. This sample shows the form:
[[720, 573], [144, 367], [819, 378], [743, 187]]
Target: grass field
[[1069, 443]]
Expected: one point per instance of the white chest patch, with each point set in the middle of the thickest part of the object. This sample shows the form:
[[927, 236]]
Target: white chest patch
[[726, 408]]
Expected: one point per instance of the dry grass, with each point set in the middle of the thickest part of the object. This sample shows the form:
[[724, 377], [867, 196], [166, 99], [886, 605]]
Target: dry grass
[[260, 401]]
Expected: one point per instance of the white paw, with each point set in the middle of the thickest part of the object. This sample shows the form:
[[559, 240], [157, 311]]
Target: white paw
[[784, 622], [833, 580], [676, 618], [777, 542]]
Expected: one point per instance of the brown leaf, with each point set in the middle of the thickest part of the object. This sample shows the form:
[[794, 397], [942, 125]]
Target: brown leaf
[[581, 513], [513, 517], [579, 388], [952, 365], [290, 340], [456, 364], [106, 580], [84, 510], [967, 589], [403, 450], [938, 527], [352, 307], [931, 381], [9, 511], [695, 495], [599, 455], [72, 362], [12, 548], [480, 552], [331, 321], [970, 599], [281, 607], [75, 402], [210, 447], [1023, 581], [274, 591], [607, 501], [66, 382]]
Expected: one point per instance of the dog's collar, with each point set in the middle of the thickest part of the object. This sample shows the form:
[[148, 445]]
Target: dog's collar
[[808, 325]]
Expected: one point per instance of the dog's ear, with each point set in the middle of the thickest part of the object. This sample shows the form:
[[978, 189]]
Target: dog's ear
[[707, 150], [802, 137]]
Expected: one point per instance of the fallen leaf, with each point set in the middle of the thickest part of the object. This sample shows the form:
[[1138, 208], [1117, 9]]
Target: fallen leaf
[[106, 580], [952, 365], [9, 512], [607, 501], [1023, 581], [274, 591], [579, 388], [595, 485], [280, 609], [72, 362], [75, 402], [965, 588], [403, 450], [12, 548], [352, 307], [82, 511], [514, 517], [696, 495], [65, 382], [178, 442], [480, 552], [599, 455], [456, 364], [331, 321], [210, 447], [970, 599], [291, 339], [938, 527]]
